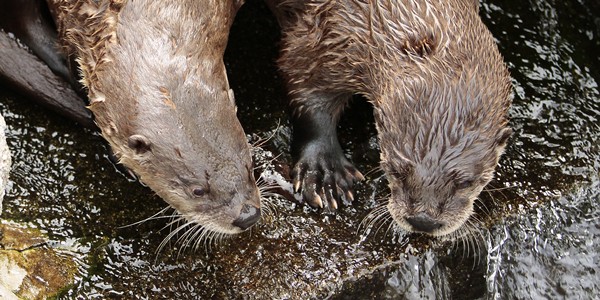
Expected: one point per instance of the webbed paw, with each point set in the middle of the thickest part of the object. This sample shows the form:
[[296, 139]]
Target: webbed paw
[[324, 180]]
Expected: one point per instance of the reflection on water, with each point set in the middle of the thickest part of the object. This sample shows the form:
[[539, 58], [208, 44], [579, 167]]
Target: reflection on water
[[542, 209], [549, 252], [549, 248]]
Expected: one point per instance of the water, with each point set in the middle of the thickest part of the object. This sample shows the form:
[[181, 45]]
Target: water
[[542, 234]]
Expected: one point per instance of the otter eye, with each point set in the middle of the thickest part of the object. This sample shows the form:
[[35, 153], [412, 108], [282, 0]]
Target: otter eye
[[463, 184], [199, 192]]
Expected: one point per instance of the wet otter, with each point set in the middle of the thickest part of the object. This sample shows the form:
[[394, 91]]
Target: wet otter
[[42, 75], [159, 92], [30, 21], [440, 92]]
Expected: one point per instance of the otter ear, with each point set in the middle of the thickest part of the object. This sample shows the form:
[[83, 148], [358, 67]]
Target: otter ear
[[139, 143], [502, 136]]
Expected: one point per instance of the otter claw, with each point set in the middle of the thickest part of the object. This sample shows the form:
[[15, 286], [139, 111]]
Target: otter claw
[[331, 195], [297, 183], [324, 183], [350, 196], [317, 201], [333, 205], [358, 175]]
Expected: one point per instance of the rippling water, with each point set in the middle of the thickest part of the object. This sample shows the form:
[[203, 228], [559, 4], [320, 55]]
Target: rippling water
[[542, 210]]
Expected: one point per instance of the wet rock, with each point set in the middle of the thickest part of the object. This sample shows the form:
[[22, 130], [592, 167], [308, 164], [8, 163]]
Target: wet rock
[[5, 161], [541, 213], [29, 268]]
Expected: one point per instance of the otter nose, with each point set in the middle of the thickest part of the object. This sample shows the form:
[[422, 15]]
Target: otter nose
[[424, 223], [248, 216]]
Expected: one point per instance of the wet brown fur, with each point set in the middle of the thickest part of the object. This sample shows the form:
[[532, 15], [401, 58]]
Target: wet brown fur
[[159, 92], [437, 81]]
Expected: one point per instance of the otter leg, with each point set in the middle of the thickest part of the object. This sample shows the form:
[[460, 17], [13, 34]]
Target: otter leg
[[321, 172], [31, 22]]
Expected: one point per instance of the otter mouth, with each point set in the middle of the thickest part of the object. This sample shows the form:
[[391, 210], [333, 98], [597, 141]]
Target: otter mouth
[[208, 226], [424, 223], [224, 224], [421, 223], [436, 225], [222, 219]]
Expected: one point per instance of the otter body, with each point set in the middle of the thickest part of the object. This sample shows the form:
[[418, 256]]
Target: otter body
[[158, 89], [440, 92], [30, 21]]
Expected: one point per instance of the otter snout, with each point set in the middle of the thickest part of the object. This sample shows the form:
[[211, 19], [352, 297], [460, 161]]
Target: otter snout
[[423, 222], [249, 215]]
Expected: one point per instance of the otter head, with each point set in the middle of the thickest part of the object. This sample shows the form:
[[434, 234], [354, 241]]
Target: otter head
[[159, 92], [440, 143]]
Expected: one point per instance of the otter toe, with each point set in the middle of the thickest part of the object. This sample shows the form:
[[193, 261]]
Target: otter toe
[[323, 183]]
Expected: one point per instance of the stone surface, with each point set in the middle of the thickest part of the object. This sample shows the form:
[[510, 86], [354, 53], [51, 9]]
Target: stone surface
[[29, 267], [5, 161]]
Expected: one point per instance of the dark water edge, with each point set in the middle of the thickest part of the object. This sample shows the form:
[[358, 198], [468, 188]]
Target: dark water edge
[[541, 212]]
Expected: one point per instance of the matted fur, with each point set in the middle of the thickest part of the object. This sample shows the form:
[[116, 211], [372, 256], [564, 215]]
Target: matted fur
[[438, 83], [159, 92]]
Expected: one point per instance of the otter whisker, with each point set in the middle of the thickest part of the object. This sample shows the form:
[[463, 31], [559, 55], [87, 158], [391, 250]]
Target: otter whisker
[[374, 218], [469, 228], [468, 236], [267, 163], [374, 213], [203, 239], [183, 238], [192, 231], [267, 188], [264, 189], [197, 239], [376, 169], [475, 244], [171, 234], [389, 219], [265, 209], [463, 242], [499, 188], [210, 239], [177, 219], [479, 237], [220, 238], [155, 216], [481, 206], [263, 140], [377, 215]]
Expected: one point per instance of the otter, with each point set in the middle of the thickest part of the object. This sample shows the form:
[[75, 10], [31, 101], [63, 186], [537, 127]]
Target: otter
[[39, 71], [158, 90], [440, 92], [31, 22]]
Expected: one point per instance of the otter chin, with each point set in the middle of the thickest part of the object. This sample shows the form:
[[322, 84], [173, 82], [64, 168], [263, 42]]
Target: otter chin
[[159, 92], [440, 92]]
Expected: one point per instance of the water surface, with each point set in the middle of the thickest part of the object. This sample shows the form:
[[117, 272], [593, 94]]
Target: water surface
[[541, 213]]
